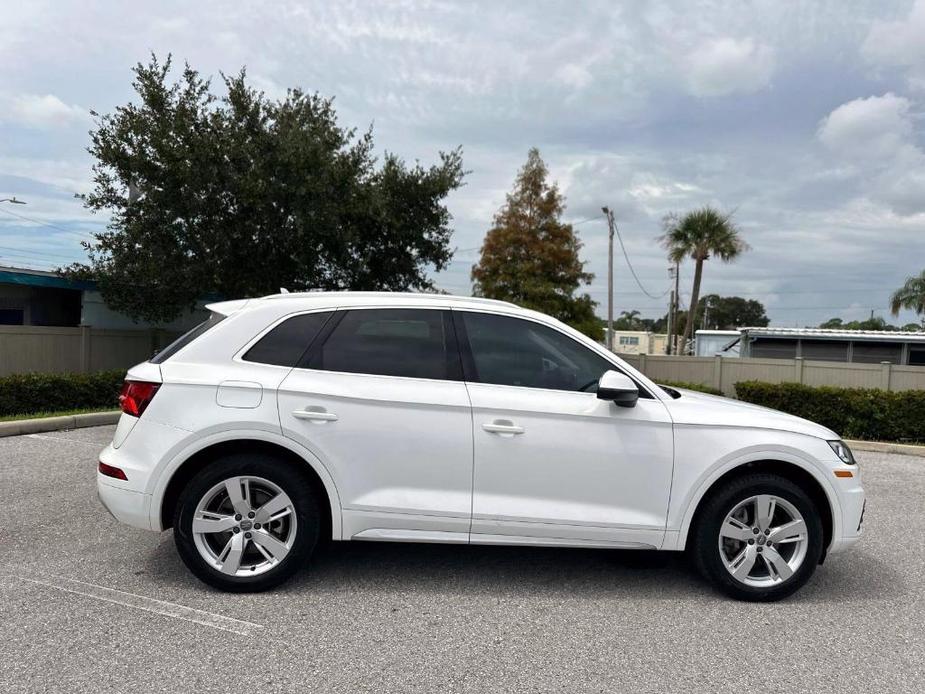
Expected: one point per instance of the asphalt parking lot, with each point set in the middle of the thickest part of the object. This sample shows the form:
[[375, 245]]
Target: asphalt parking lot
[[89, 605]]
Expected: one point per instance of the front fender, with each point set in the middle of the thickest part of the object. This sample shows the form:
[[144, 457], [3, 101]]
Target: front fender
[[697, 478]]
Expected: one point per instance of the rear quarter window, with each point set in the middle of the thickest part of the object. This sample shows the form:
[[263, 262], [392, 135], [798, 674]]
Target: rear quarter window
[[285, 344], [182, 341]]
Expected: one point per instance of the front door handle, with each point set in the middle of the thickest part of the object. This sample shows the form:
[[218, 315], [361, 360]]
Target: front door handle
[[503, 427], [315, 414]]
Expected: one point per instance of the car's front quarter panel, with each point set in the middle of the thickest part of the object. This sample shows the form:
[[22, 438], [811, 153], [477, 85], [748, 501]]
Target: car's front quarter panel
[[704, 453]]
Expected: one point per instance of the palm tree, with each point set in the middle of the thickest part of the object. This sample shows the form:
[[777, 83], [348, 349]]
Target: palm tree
[[911, 296], [699, 235]]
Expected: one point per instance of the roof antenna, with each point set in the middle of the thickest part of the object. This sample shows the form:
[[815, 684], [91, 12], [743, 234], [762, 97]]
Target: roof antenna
[[283, 290]]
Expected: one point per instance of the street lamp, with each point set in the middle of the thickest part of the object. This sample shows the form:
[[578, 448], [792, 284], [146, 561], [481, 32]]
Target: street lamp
[[13, 201]]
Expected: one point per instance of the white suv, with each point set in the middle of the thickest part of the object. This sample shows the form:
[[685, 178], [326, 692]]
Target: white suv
[[427, 418]]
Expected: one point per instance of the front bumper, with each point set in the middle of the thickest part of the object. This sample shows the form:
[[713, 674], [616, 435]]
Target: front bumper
[[124, 505], [853, 503]]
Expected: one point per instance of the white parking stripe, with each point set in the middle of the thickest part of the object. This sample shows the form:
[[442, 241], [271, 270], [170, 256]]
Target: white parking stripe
[[65, 440], [140, 602]]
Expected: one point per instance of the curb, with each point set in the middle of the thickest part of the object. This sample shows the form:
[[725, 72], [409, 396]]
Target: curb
[[879, 447], [71, 421]]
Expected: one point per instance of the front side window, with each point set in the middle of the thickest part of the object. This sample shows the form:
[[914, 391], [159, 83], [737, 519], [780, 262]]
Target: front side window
[[412, 343], [514, 352]]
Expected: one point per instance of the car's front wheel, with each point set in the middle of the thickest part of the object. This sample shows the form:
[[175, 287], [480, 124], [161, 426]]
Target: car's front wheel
[[246, 523], [758, 538]]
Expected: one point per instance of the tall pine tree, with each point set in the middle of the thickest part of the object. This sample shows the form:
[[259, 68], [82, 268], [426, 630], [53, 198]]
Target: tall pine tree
[[530, 257]]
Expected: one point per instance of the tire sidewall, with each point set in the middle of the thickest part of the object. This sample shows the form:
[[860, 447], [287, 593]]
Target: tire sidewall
[[281, 473], [706, 546]]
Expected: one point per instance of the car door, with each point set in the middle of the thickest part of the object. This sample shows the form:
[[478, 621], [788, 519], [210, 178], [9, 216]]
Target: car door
[[553, 463], [380, 401]]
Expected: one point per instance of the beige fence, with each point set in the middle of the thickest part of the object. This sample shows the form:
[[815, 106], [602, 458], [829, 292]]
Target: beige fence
[[25, 349], [723, 373]]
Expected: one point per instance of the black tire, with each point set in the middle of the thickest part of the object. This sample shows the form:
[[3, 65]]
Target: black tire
[[704, 544], [281, 473]]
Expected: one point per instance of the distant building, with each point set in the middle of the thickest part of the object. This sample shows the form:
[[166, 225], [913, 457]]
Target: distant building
[[37, 297], [709, 343], [639, 342], [859, 346]]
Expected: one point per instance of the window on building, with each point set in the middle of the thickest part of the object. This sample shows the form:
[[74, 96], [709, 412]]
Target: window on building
[[629, 340], [824, 350], [874, 353], [772, 348], [11, 316]]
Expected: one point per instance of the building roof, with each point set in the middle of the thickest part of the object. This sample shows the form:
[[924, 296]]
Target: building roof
[[826, 334], [40, 278]]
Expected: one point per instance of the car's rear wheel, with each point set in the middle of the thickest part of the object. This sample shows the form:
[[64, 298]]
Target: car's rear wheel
[[246, 523], [758, 538]]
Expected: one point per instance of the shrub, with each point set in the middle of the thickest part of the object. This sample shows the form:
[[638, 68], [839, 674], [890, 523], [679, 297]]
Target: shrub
[[691, 386], [35, 392], [854, 413]]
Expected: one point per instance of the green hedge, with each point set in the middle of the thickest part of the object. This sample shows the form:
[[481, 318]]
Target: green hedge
[[691, 386], [854, 413], [29, 393]]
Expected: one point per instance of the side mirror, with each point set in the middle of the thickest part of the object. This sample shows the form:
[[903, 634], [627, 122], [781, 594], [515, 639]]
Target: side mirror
[[618, 388]]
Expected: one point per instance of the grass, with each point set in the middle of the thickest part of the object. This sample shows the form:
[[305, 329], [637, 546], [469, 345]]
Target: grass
[[43, 415]]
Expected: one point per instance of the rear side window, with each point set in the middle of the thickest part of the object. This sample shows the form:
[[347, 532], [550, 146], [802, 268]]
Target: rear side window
[[412, 343], [285, 344], [182, 341]]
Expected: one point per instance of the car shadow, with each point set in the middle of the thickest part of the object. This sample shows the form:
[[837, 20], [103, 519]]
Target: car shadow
[[510, 571]]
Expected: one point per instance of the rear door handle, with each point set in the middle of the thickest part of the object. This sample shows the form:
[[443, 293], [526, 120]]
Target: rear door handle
[[312, 414], [503, 427]]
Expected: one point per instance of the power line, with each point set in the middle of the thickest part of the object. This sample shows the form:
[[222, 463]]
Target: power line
[[630, 265], [34, 254], [41, 222]]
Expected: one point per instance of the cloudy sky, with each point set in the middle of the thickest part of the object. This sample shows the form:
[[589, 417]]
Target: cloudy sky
[[807, 119]]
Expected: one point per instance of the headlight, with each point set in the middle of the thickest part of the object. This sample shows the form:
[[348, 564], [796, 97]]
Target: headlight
[[843, 452]]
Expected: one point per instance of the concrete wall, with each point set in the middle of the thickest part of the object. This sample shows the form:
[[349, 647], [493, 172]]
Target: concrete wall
[[724, 373], [25, 349]]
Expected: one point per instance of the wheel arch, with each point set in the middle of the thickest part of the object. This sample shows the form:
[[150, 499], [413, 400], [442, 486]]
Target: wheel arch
[[187, 465], [805, 478]]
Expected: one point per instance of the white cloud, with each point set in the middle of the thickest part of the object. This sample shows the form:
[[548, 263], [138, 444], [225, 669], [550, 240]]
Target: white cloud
[[900, 43], [877, 134], [42, 111], [875, 126], [728, 66]]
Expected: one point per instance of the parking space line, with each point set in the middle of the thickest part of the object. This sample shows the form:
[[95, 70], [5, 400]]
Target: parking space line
[[140, 602], [62, 438]]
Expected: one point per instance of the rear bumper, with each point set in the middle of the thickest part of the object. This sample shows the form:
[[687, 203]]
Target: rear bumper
[[124, 505]]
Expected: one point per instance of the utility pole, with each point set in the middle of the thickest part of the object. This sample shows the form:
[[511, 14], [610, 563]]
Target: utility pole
[[608, 213], [676, 302], [672, 302]]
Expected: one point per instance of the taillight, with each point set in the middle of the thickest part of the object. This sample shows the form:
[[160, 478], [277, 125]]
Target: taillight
[[136, 395]]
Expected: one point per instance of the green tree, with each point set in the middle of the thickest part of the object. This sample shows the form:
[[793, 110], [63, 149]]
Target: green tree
[[530, 257], [629, 320], [730, 312], [241, 195], [700, 235], [872, 323], [910, 296]]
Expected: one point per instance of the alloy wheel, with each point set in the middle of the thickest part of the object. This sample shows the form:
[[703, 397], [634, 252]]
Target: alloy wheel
[[763, 541], [244, 526]]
